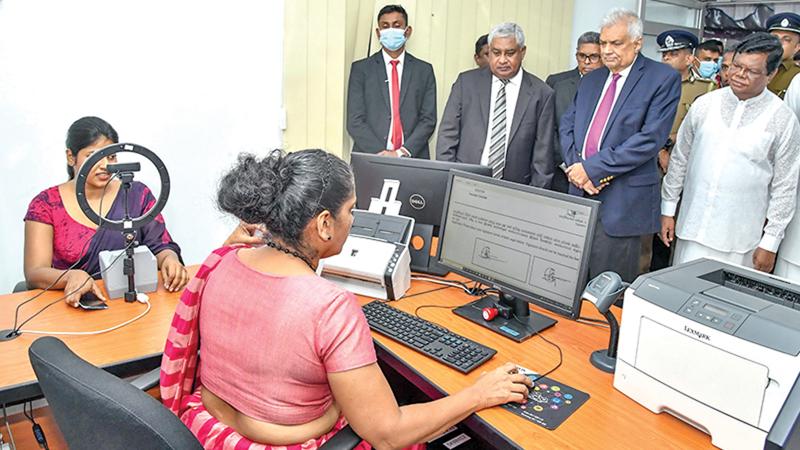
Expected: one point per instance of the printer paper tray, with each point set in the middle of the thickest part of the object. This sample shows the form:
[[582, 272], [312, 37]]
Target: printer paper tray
[[715, 377]]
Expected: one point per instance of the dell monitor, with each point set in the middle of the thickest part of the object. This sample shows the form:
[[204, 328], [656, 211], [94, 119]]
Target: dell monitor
[[528, 244], [420, 193]]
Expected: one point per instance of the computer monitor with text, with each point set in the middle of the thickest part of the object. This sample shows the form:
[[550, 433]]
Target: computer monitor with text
[[530, 244]]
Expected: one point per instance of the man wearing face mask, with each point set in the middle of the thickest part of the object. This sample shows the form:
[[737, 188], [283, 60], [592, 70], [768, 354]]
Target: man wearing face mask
[[707, 56], [391, 95], [676, 52], [735, 167]]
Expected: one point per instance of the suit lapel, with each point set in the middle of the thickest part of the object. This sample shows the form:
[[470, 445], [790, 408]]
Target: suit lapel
[[523, 99], [485, 92], [379, 70], [633, 78], [408, 74], [582, 121]]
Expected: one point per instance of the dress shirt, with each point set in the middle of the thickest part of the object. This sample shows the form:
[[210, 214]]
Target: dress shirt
[[775, 161], [387, 61], [620, 83], [512, 93]]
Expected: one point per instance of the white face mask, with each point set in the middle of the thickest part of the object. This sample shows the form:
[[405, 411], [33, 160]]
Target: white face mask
[[393, 38]]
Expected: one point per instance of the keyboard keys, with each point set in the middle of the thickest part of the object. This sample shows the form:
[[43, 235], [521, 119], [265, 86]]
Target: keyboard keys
[[427, 338]]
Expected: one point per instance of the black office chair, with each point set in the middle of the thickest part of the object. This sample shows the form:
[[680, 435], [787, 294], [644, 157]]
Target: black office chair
[[94, 409], [20, 287]]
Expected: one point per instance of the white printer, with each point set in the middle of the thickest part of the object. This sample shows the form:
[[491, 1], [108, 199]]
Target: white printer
[[374, 261], [715, 345]]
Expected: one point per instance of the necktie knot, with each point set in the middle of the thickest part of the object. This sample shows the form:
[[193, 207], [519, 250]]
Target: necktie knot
[[394, 62], [615, 77], [504, 82]]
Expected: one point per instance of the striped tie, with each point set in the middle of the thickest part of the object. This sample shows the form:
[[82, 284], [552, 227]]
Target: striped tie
[[497, 146]]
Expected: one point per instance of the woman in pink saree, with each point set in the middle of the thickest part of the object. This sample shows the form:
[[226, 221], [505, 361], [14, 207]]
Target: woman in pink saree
[[285, 357]]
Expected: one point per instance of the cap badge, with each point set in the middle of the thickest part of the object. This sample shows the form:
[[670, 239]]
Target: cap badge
[[669, 41], [785, 22]]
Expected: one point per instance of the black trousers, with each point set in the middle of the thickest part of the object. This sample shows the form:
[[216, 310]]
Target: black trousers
[[617, 254]]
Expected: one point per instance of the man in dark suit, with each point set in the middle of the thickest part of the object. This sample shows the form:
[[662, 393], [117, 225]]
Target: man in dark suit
[[610, 138], [391, 96], [587, 55], [501, 116]]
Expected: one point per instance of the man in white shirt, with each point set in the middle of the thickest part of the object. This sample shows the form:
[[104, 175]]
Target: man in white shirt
[[787, 264], [501, 116], [391, 96], [735, 166]]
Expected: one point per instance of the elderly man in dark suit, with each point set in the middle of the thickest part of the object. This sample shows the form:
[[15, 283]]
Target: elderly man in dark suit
[[501, 116], [391, 96], [587, 55], [610, 138]]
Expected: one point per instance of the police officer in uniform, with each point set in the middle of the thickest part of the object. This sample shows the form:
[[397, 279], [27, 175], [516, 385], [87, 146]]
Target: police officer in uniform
[[677, 50], [786, 27]]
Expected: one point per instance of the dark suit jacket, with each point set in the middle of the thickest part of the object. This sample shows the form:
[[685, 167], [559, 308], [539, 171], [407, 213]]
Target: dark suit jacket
[[566, 85], [369, 113], [636, 130], [462, 132]]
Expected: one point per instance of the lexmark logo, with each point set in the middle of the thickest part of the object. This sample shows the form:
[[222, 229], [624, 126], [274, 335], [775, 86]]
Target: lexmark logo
[[696, 333]]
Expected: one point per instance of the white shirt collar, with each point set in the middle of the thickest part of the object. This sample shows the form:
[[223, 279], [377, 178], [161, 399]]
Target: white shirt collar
[[515, 80], [624, 72], [388, 59], [755, 99]]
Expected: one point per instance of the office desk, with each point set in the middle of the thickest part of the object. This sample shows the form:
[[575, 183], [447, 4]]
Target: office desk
[[608, 420], [130, 350]]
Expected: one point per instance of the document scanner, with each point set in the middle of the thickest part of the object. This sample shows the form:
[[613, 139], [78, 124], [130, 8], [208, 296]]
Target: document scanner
[[717, 346], [374, 261]]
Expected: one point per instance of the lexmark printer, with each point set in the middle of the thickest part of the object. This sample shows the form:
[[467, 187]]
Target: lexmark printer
[[374, 260], [718, 346]]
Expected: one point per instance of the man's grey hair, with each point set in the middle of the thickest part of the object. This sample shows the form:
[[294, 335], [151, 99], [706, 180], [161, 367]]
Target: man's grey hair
[[508, 29], [617, 15], [590, 37]]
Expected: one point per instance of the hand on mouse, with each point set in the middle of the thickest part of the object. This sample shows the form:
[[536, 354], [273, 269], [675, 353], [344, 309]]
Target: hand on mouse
[[501, 385]]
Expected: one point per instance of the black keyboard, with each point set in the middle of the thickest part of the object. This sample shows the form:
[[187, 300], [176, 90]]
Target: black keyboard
[[427, 338]]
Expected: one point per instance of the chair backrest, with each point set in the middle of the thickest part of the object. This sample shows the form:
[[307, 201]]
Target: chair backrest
[[94, 409]]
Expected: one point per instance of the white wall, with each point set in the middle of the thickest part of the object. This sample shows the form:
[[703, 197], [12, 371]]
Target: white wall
[[587, 16], [196, 81]]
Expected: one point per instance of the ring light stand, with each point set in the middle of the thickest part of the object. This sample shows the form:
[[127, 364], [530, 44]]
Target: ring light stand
[[127, 225]]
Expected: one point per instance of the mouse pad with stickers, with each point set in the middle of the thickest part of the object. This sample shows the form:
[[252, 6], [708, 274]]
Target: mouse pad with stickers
[[549, 403]]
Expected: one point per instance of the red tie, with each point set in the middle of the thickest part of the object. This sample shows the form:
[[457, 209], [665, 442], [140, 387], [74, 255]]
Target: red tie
[[397, 125]]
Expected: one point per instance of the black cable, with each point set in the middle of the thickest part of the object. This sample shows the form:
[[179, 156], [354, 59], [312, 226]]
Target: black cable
[[426, 292], [38, 432], [19, 328], [589, 319], [75, 264], [416, 311], [560, 354]]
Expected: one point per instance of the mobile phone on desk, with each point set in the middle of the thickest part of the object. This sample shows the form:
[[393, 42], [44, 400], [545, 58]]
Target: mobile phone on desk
[[90, 301]]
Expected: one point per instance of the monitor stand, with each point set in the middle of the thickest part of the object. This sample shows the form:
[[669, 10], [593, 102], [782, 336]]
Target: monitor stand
[[421, 260], [520, 326]]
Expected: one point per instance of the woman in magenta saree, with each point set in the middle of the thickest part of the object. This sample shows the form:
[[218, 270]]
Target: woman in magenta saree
[[58, 236], [265, 354]]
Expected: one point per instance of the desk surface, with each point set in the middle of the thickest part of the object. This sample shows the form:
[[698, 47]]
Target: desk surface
[[608, 420], [129, 350]]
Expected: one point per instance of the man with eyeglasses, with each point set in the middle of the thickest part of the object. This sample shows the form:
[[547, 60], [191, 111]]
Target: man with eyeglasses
[[587, 55], [735, 166], [786, 27]]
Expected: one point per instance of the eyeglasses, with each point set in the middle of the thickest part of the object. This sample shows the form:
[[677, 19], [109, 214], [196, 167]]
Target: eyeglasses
[[593, 58], [749, 73]]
